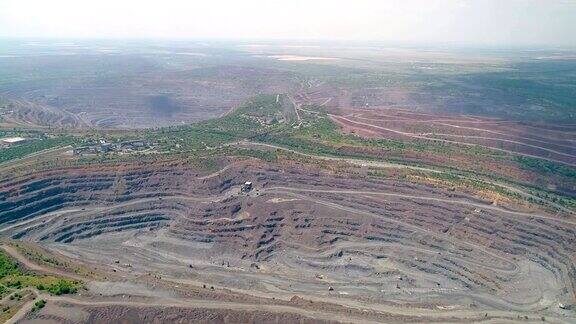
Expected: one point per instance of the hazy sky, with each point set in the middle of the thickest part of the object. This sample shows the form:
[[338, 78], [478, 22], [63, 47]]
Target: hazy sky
[[514, 22]]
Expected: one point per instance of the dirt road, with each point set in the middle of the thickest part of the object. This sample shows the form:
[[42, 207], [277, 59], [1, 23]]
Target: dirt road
[[449, 201], [37, 267], [340, 120]]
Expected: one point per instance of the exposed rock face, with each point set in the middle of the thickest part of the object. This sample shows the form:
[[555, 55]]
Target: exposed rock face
[[299, 230]]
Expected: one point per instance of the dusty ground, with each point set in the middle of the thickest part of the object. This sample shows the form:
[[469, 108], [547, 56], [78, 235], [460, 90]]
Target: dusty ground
[[350, 247]]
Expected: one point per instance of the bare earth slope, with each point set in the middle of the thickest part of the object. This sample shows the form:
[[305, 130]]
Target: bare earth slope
[[390, 246]]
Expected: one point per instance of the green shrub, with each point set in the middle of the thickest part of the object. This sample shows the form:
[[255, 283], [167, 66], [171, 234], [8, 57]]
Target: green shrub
[[7, 266], [39, 305], [62, 287]]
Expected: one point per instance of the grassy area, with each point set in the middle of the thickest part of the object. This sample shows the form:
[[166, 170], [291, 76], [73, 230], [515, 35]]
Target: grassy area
[[268, 156], [455, 182], [14, 303], [547, 168], [319, 135], [245, 122], [20, 151], [13, 278], [40, 256]]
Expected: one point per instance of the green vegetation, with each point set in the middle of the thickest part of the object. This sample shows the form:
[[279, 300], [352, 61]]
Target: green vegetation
[[268, 156], [7, 266], [12, 277], [247, 121], [470, 183], [319, 135], [545, 167], [40, 256], [60, 287], [21, 150], [39, 304]]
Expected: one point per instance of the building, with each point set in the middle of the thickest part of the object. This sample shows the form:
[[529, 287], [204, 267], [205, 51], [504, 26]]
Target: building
[[104, 147], [9, 141], [84, 150]]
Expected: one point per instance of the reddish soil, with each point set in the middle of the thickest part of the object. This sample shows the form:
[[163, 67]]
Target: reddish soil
[[340, 238]]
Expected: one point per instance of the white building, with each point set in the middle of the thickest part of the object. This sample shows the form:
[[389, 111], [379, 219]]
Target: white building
[[9, 141]]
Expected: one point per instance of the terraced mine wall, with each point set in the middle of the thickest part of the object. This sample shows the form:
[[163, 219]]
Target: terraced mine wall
[[369, 237]]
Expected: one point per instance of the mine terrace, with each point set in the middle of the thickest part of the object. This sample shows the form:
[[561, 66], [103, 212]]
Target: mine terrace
[[261, 184]]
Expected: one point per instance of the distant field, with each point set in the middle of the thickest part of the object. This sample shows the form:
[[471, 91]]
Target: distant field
[[139, 85], [133, 88]]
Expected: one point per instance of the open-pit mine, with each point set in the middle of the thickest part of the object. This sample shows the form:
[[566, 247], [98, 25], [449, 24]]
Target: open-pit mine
[[311, 197]]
